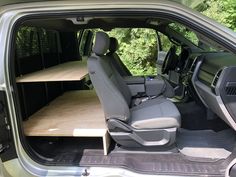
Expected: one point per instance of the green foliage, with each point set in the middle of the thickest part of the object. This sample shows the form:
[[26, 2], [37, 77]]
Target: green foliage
[[27, 42], [188, 34], [221, 11], [137, 49], [230, 5]]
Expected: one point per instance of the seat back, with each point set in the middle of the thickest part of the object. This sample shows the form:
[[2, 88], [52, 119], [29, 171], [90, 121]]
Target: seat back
[[110, 87], [115, 59]]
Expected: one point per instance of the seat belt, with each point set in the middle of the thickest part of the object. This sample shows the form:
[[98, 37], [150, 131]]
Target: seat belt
[[139, 101]]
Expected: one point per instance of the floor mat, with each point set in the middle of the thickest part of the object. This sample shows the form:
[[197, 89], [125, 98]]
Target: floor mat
[[89, 152], [206, 143], [166, 164], [194, 117]]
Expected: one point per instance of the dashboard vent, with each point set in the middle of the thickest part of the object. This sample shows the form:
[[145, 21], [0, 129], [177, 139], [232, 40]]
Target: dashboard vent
[[230, 90], [216, 78]]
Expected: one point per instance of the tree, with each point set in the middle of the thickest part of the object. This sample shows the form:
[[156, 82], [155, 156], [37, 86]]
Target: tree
[[222, 11], [138, 46], [137, 49]]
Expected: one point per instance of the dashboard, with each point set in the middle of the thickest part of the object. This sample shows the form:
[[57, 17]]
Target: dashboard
[[214, 80], [210, 77]]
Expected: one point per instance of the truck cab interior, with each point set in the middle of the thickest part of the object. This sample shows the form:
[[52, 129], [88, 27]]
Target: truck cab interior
[[80, 104]]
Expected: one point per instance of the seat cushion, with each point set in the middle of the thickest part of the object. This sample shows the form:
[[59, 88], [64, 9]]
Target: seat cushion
[[156, 113]]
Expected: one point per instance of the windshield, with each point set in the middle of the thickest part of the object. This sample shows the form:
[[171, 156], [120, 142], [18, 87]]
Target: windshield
[[195, 38], [222, 11]]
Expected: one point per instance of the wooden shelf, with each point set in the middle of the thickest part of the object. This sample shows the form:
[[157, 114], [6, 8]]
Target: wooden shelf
[[75, 113], [69, 71]]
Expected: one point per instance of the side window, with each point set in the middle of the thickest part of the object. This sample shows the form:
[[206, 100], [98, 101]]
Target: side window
[[49, 41], [36, 48], [187, 33], [82, 41], [50, 47], [137, 49], [27, 43], [165, 43], [164, 46], [85, 42]]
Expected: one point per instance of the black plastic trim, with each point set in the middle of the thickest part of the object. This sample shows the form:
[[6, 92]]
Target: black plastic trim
[[228, 79], [8, 151]]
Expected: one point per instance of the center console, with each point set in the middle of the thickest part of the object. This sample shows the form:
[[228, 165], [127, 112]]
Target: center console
[[147, 86], [154, 86]]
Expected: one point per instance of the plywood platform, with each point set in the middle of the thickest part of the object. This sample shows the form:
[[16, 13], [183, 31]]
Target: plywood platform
[[75, 113], [69, 71]]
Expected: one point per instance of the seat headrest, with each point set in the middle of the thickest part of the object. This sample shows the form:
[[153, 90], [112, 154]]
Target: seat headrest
[[101, 44], [113, 45]]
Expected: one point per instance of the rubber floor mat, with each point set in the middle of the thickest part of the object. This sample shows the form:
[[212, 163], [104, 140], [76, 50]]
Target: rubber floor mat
[[206, 143], [172, 164]]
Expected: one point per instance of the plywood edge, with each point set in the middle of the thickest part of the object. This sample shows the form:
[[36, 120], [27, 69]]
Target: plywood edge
[[89, 132], [106, 142], [68, 71]]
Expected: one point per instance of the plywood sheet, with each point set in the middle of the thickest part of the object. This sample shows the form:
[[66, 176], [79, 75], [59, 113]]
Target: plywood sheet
[[69, 71], [75, 113]]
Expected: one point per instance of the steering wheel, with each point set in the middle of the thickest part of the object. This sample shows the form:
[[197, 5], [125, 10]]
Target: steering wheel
[[167, 64]]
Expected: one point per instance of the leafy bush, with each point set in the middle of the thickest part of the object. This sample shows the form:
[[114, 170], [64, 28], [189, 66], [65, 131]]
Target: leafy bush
[[137, 49], [223, 11], [138, 46]]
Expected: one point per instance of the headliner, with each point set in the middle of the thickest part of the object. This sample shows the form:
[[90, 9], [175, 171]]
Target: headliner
[[105, 23]]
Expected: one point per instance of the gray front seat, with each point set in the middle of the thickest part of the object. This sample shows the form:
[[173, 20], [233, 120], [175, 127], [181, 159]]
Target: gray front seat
[[117, 63], [152, 123], [120, 67]]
